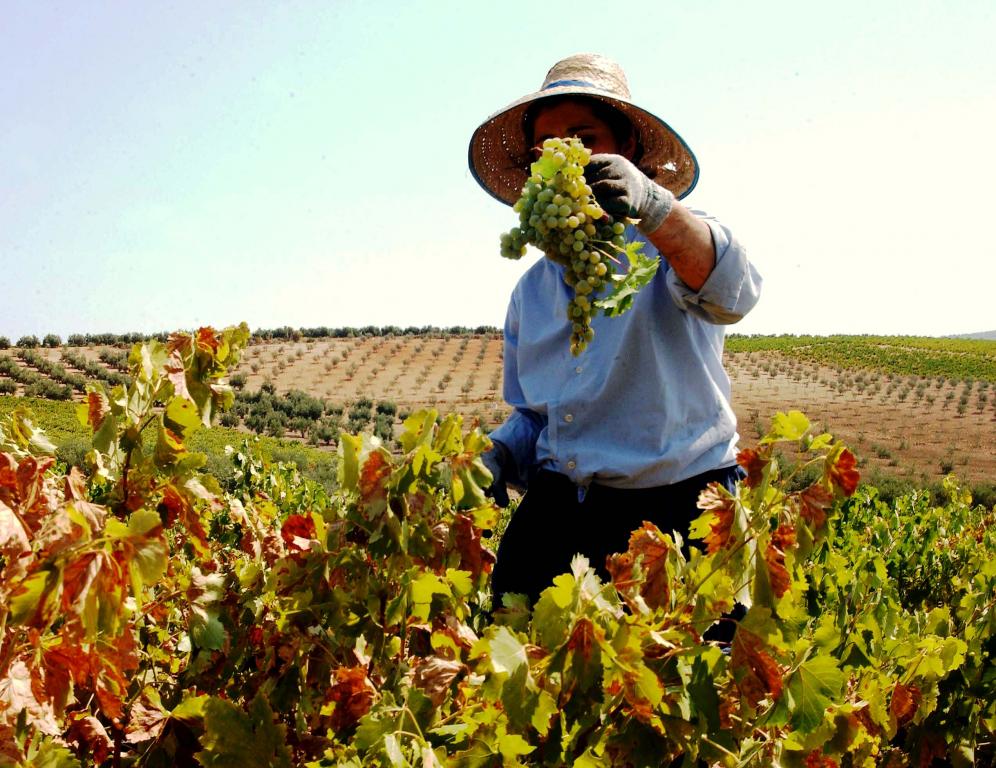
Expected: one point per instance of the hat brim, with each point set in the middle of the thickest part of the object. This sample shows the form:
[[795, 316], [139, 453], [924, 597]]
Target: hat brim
[[500, 153]]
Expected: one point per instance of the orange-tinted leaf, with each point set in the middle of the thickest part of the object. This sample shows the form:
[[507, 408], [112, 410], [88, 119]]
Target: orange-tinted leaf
[[146, 719], [10, 751], [650, 547], [754, 464], [298, 532], [25, 490], [373, 475], [758, 675], [180, 508], [932, 746], [842, 471], [8, 479], [813, 503], [582, 639], [620, 568], [97, 409], [208, 340], [59, 665], [179, 341], [716, 499], [66, 662], [474, 556], [78, 579], [110, 664], [816, 759], [782, 540], [353, 694], [904, 703], [861, 718]]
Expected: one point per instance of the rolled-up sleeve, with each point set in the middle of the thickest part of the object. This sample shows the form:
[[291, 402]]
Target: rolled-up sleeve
[[519, 432], [732, 288]]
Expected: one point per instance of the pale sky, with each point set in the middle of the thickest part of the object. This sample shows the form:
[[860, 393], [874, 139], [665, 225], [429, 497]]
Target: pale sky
[[170, 164]]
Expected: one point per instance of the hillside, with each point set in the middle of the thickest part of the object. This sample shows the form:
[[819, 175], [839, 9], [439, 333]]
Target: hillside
[[985, 335]]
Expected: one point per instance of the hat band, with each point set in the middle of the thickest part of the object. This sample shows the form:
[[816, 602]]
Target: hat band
[[558, 83]]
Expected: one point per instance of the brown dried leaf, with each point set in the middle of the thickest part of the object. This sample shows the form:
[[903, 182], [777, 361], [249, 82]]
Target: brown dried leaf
[[754, 464], [88, 733], [651, 547], [782, 540], [842, 471], [180, 508], [816, 759], [97, 408], [434, 675], [373, 475], [758, 675], [25, 489], [146, 719], [17, 694], [813, 503], [904, 703], [474, 556], [353, 694]]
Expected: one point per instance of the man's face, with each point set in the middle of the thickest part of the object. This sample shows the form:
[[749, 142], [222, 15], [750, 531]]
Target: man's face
[[567, 118]]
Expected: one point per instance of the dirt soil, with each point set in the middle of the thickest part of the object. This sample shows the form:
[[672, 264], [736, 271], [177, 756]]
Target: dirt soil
[[910, 427], [919, 435]]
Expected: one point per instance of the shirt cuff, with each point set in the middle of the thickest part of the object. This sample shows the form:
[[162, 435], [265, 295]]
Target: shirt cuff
[[732, 287]]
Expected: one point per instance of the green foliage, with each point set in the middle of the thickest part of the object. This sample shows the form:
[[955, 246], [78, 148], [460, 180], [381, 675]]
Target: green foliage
[[151, 616], [898, 355], [28, 342]]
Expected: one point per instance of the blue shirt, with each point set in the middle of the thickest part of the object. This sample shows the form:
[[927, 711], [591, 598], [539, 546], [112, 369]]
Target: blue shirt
[[648, 402]]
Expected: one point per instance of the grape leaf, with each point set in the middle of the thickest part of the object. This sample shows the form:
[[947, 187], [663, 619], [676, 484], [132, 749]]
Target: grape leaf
[[507, 651], [625, 287], [812, 689], [786, 426], [423, 588], [234, 738], [206, 630], [49, 754], [512, 746]]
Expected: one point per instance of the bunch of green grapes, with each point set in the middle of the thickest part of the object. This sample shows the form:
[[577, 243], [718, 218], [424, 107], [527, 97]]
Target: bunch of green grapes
[[559, 215]]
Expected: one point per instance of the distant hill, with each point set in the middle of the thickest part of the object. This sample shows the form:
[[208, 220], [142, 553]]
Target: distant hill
[[985, 335]]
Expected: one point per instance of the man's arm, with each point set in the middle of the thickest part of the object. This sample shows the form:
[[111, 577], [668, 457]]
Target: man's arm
[[709, 273], [686, 242]]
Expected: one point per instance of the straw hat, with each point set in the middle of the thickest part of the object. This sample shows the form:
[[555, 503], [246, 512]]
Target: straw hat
[[500, 151]]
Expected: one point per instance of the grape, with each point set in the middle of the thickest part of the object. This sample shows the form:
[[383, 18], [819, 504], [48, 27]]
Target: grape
[[559, 215]]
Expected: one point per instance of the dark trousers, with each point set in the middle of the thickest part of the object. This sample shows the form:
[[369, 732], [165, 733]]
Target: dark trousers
[[552, 524]]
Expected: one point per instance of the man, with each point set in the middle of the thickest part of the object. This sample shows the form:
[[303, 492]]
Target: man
[[636, 426]]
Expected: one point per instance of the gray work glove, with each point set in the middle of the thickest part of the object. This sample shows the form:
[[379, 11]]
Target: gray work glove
[[622, 189], [495, 460]]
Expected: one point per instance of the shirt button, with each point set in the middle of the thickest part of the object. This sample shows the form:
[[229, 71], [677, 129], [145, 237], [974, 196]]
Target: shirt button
[[569, 418], [578, 369], [571, 464]]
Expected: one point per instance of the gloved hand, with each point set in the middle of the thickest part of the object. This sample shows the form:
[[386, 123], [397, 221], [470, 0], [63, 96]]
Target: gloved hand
[[622, 189], [495, 460]]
